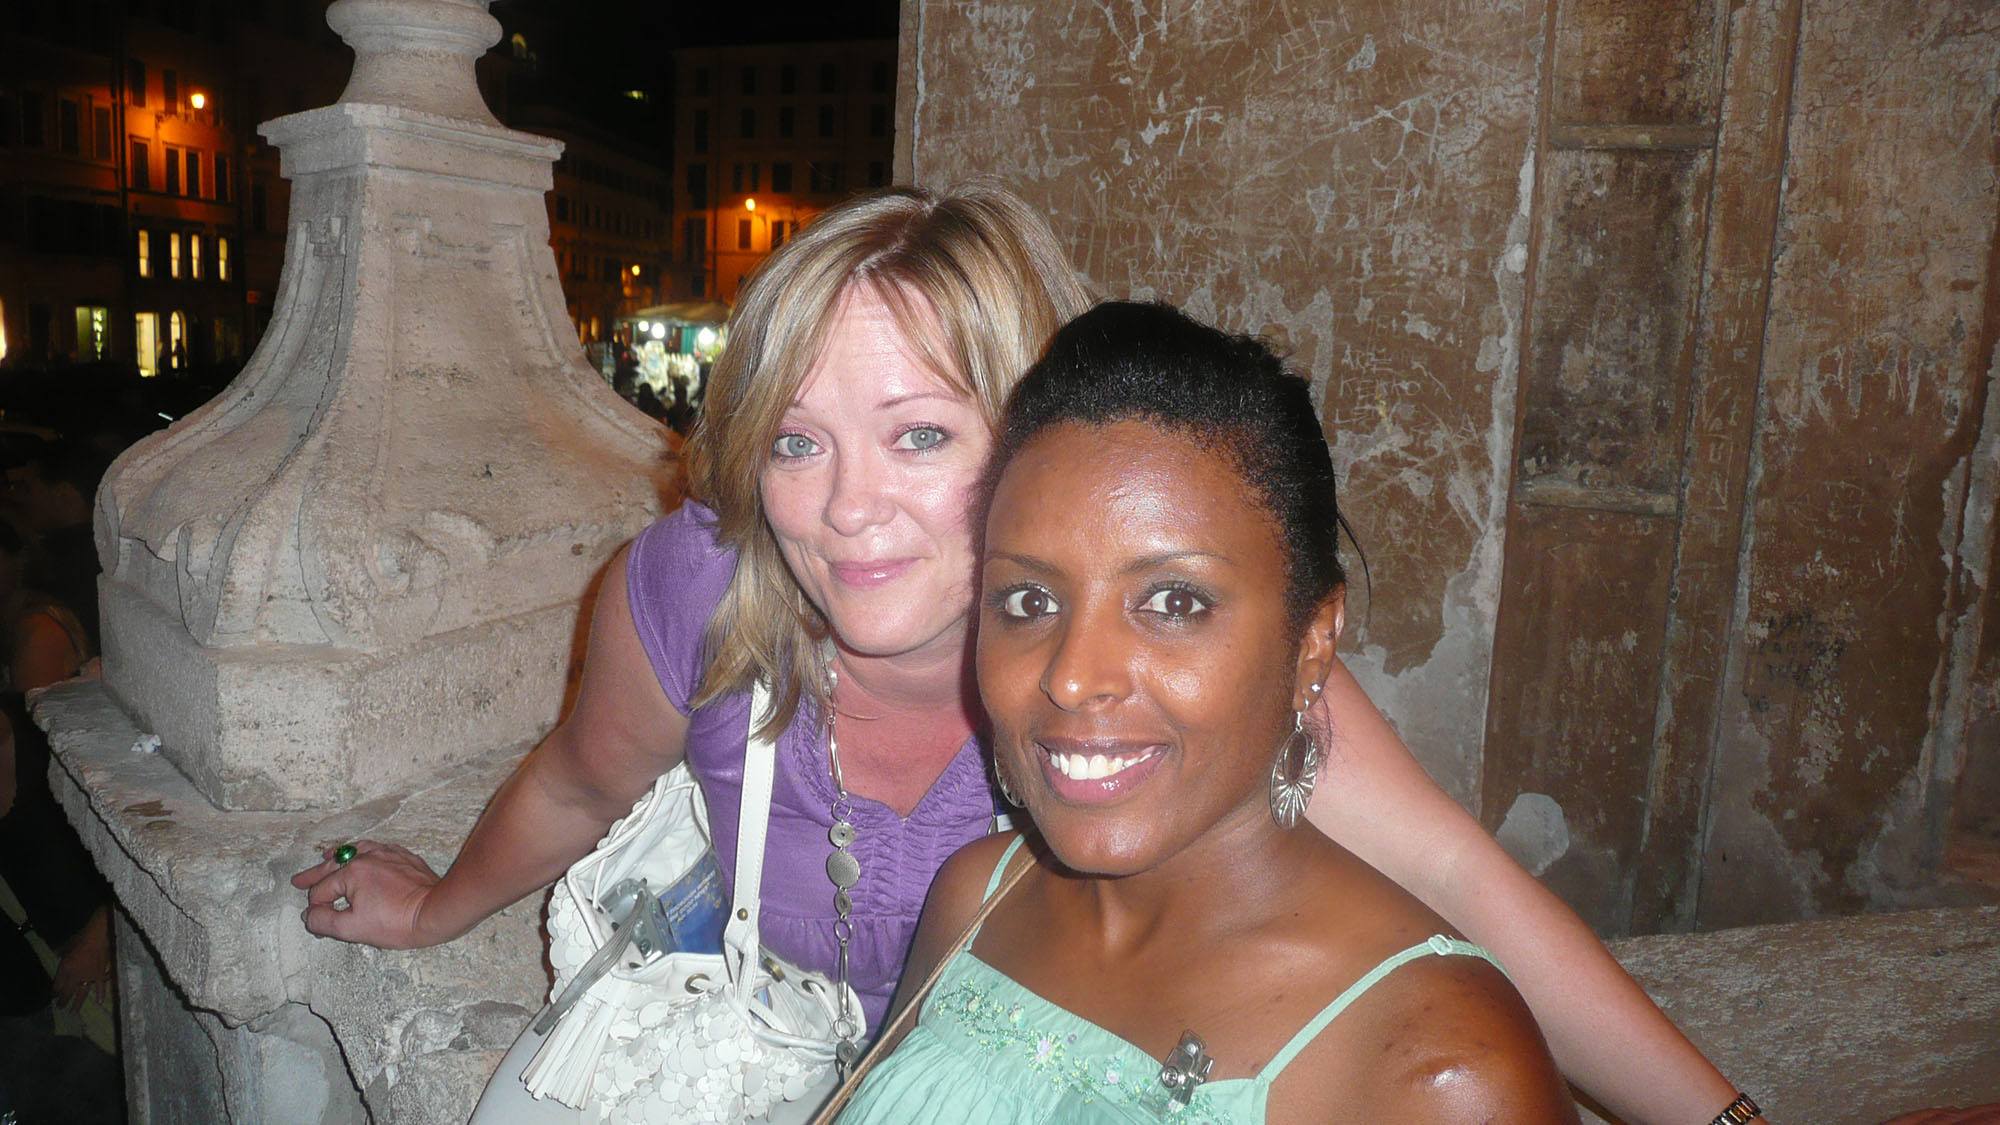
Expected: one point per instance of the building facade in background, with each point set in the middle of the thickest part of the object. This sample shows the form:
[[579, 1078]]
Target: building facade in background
[[63, 236], [608, 222], [143, 219], [765, 137]]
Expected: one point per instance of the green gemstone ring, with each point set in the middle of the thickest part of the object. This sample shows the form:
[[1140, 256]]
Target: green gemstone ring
[[344, 854]]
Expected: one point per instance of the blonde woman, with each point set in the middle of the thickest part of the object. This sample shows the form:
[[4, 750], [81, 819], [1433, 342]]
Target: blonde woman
[[831, 554]]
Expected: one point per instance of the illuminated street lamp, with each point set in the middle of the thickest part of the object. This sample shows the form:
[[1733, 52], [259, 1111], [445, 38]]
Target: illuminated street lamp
[[750, 204], [635, 269], [198, 100]]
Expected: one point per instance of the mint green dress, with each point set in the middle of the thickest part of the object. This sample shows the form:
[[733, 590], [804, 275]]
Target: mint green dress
[[986, 1051]]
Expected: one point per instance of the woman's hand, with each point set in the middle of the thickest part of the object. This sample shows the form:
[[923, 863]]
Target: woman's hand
[[621, 734], [84, 971], [383, 888]]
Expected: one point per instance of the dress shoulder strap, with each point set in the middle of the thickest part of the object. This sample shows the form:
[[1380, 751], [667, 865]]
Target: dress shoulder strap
[[999, 869], [1437, 945]]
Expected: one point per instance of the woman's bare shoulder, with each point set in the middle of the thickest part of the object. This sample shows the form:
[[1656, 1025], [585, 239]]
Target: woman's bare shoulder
[[960, 885], [1441, 1039]]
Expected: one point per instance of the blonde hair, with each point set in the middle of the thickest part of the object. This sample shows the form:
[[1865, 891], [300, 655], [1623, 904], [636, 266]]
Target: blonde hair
[[977, 283]]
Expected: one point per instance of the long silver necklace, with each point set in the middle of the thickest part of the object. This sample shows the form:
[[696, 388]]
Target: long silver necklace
[[845, 871]]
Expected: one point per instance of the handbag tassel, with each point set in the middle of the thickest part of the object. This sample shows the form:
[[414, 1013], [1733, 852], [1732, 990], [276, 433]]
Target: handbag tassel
[[567, 1061]]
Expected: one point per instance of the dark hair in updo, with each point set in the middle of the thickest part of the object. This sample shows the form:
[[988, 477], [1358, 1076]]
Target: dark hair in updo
[[1125, 361]]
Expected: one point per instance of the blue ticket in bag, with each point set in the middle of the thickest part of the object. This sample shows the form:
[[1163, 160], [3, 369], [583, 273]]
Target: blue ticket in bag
[[695, 908]]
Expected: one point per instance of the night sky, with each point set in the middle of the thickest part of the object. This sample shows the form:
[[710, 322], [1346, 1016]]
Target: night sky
[[592, 51]]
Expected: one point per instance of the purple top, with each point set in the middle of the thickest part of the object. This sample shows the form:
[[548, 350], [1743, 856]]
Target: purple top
[[675, 576]]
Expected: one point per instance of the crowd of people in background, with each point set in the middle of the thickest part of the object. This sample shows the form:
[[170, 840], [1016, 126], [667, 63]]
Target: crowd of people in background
[[677, 410], [56, 958]]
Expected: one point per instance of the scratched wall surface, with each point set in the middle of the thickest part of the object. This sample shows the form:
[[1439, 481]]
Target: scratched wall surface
[[1654, 342], [1867, 443], [1347, 179]]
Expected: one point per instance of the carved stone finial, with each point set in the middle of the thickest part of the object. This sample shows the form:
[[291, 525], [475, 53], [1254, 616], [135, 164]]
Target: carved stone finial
[[416, 54], [361, 563]]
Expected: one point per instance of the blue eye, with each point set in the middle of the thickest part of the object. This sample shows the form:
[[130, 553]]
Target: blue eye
[[920, 438], [1028, 602], [793, 446], [1176, 602]]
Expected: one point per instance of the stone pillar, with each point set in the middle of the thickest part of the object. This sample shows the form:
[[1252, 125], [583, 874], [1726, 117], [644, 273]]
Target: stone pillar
[[344, 596], [361, 563]]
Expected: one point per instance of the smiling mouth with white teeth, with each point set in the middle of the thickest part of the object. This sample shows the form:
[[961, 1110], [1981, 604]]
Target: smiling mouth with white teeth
[[1094, 767]]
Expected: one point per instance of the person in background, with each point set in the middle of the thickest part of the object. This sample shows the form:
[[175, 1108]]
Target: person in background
[[44, 864]]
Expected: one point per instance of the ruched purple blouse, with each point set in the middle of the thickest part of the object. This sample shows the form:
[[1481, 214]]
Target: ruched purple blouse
[[675, 577]]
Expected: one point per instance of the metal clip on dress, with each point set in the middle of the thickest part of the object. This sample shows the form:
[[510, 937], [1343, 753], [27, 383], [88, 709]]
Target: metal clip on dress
[[1186, 1067]]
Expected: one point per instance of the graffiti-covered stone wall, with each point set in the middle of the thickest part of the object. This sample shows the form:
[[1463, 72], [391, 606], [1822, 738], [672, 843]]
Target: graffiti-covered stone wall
[[1654, 343], [1349, 180]]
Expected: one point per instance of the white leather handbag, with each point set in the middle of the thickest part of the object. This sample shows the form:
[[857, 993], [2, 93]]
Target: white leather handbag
[[714, 1038]]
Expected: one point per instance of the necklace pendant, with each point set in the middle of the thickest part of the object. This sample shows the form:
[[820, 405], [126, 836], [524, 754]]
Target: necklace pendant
[[843, 869], [841, 834]]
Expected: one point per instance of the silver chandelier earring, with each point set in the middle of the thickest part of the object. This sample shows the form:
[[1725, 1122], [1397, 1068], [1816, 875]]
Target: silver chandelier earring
[[1294, 774], [1007, 793]]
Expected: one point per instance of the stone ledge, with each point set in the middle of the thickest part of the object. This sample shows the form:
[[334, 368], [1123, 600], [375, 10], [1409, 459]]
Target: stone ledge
[[1844, 1019], [1841, 1020], [419, 1030]]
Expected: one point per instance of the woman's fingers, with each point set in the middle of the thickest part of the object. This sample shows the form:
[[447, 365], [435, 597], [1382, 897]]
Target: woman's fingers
[[313, 874], [325, 921], [374, 898], [324, 892], [328, 865]]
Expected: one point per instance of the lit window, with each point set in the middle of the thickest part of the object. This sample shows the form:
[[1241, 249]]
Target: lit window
[[176, 341], [146, 342], [194, 256], [174, 254], [145, 253], [3, 330], [222, 259], [92, 330]]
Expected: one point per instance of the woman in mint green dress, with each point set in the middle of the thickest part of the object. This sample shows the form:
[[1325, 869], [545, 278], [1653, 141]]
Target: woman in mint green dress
[[1161, 599]]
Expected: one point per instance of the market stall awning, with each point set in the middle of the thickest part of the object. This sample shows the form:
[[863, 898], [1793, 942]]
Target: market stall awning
[[685, 312]]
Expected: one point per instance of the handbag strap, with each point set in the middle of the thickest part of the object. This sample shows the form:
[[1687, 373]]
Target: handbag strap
[[901, 1023], [753, 825]]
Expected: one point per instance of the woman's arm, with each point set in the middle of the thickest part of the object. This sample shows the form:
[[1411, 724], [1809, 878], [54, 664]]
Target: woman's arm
[[621, 735], [1607, 1035], [44, 653]]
